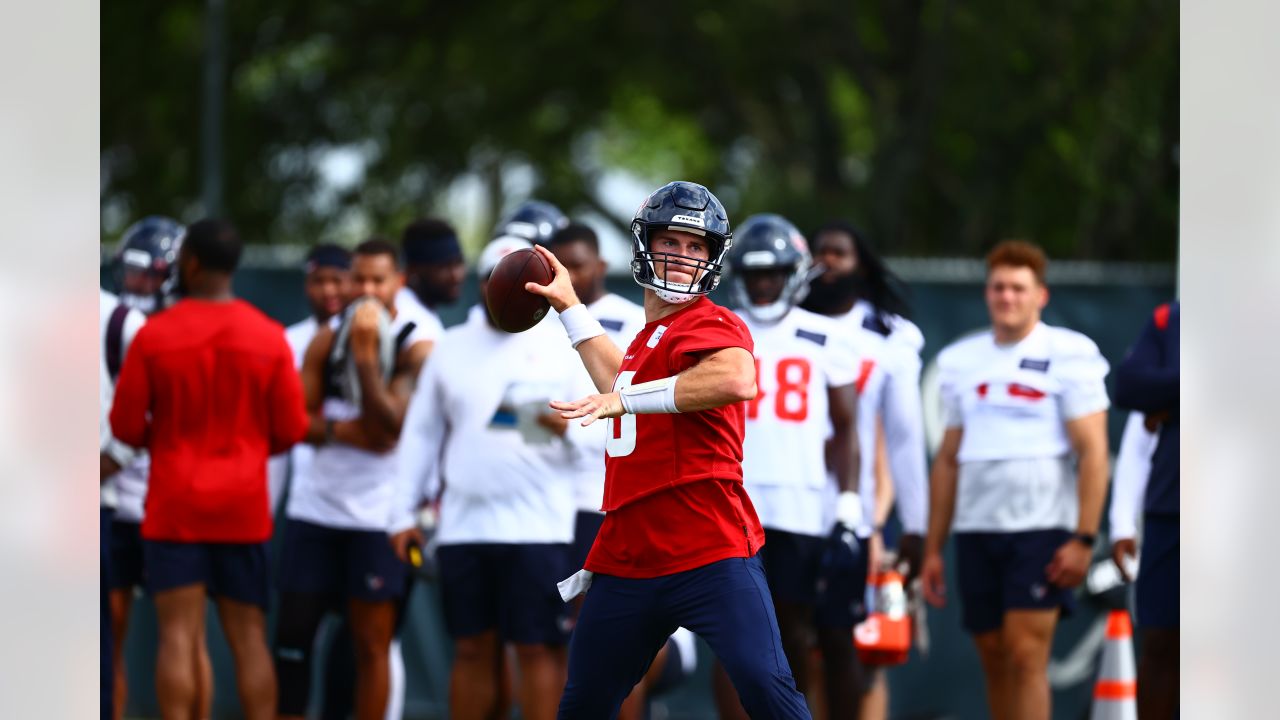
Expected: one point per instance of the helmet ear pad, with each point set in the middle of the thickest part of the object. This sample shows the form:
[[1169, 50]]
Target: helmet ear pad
[[767, 241]]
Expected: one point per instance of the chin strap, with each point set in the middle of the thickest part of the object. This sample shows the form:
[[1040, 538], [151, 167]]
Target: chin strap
[[675, 298]]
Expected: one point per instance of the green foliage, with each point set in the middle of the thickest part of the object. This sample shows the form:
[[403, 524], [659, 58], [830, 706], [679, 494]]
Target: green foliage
[[940, 126]]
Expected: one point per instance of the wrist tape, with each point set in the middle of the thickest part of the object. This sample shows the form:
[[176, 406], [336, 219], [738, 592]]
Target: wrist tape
[[655, 396], [580, 325]]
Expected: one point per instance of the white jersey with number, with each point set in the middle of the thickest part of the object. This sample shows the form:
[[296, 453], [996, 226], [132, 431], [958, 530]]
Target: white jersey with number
[[889, 395], [783, 454], [1012, 403], [348, 487], [111, 492], [621, 320], [473, 428]]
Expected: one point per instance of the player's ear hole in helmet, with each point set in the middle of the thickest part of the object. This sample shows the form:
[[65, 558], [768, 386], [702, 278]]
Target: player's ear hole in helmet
[[685, 207], [769, 243]]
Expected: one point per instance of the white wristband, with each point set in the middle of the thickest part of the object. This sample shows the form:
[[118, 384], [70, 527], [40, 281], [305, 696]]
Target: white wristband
[[655, 396], [849, 509], [580, 325]]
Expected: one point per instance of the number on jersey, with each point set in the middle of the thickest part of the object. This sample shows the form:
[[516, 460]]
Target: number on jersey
[[622, 430], [791, 399]]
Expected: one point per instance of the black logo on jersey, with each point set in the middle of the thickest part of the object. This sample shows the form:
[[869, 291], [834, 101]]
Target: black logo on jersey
[[876, 324], [811, 336], [614, 325], [1037, 365]]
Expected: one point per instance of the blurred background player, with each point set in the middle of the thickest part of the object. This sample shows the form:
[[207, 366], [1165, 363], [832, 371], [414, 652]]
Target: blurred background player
[[1128, 488], [480, 427], [433, 269], [335, 554], [806, 368], [117, 326], [143, 263], [534, 221], [1020, 476], [859, 290], [208, 516], [679, 543], [1148, 379]]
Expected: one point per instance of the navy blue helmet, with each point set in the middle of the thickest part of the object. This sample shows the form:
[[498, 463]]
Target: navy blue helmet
[[688, 207], [769, 242], [146, 261], [533, 220]]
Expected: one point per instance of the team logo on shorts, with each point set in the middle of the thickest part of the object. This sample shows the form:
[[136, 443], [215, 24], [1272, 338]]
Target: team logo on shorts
[[1038, 591], [374, 582]]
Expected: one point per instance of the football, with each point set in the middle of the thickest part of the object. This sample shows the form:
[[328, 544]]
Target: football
[[513, 308]]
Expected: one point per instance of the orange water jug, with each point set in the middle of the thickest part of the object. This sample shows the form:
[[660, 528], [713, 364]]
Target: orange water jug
[[884, 638]]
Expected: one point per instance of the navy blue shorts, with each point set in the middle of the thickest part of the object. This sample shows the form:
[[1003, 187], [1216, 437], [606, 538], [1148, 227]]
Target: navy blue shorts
[[625, 621], [340, 563], [792, 563], [508, 587], [233, 570], [1159, 580], [126, 555], [585, 528], [1001, 571]]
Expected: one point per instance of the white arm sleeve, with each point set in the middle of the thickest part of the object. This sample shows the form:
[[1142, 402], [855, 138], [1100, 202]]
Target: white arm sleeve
[[903, 417], [420, 449], [1133, 469]]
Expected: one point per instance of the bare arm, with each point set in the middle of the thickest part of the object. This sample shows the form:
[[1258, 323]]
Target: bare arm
[[844, 455], [942, 490], [383, 407], [349, 432], [1088, 436], [884, 481]]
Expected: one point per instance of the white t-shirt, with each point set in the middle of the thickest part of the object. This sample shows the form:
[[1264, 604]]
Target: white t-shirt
[[1132, 471], [471, 427], [347, 487], [133, 321], [1013, 403], [783, 454], [622, 321], [889, 391]]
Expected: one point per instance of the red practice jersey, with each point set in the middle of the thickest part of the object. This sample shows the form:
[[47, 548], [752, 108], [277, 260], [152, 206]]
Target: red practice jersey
[[673, 493], [210, 390]]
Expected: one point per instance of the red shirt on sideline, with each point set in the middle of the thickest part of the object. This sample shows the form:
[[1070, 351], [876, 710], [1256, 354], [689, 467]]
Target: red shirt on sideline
[[673, 493], [218, 384]]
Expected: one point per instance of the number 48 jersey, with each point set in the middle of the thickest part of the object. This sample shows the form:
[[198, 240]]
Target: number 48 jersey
[[784, 461]]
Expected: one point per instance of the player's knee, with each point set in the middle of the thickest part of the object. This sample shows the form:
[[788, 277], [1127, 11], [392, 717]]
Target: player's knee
[[1028, 657], [476, 650]]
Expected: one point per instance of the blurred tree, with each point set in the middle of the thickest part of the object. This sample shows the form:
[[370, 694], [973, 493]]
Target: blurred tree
[[940, 126]]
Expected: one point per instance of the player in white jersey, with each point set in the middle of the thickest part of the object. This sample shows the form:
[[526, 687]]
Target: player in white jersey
[[806, 367], [479, 426], [1020, 477], [148, 249], [1128, 488], [358, 374], [118, 323], [860, 292]]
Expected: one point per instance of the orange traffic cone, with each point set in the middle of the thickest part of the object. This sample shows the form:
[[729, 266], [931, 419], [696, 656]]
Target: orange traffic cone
[[884, 638], [1115, 696]]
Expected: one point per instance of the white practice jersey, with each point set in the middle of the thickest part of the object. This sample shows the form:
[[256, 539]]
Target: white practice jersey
[[783, 454], [407, 303], [472, 428], [1132, 471], [889, 394], [295, 462], [132, 321], [622, 320], [348, 487], [1013, 403]]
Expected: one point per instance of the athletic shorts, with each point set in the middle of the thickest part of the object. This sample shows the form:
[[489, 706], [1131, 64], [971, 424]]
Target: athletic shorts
[[126, 555], [340, 563], [585, 527], [793, 563], [1001, 571], [507, 587], [1159, 580], [233, 570]]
